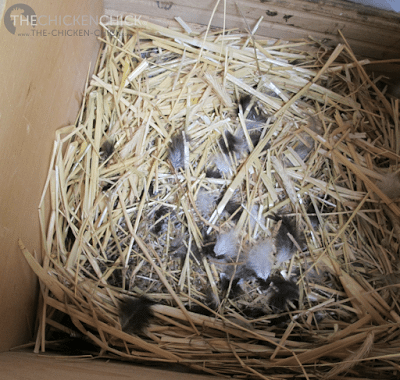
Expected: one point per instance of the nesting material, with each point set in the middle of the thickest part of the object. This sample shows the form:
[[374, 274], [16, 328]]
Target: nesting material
[[155, 219]]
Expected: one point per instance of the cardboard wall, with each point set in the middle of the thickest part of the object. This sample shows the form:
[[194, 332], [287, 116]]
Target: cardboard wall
[[41, 87]]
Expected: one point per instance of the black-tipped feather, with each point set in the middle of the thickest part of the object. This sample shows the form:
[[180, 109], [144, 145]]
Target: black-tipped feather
[[177, 152], [253, 312], [255, 139], [234, 208], [135, 314], [285, 247], [210, 303], [252, 115], [232, 143], [213, 174], [235, 289], [282, 292], [158, 215], [107, 149], [208, 246]]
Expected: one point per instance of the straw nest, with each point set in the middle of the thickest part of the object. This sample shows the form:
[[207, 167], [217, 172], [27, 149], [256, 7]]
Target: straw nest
[[246, 187]]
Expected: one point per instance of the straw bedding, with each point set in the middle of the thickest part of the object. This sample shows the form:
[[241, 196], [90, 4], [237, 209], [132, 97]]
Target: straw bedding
[[242, 192]]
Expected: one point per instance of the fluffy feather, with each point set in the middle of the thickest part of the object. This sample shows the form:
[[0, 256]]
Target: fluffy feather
[[255, 137], [233, 208], [222, 163], [253, 312], [282, 292], [70, 340], [242, 147], [231, 145], [208, 246], [107, 150], [285, 248], [159, 220], [305, 147], [312, 216], [254, 218], [211, 302], [135, 314], [205, 202], [231, 285], [177, 152], [261, 258], [254, 114], [227, 244], [210, 173], [178, 248]]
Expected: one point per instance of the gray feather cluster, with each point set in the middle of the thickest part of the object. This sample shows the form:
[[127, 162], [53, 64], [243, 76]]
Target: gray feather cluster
[[227, 244], [177, 152], [261, 258], [205, 202]]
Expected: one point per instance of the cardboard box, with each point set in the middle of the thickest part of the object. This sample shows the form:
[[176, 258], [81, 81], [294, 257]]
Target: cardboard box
[[42, 82]]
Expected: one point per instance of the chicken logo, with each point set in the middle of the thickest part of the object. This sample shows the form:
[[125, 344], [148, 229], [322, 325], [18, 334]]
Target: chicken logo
[[19, 16]]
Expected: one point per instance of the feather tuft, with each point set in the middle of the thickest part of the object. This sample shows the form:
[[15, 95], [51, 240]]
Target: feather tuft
[[261, 258], [230, 285], [233, 208], [253, 113], [208, 246], [107, 150], [135, 314], [210, 173], [211, 304], [177, 152], [255, 139], [282, 292], [227, 244], [285, 247], [160, 219], [205, 202], [229, 144]]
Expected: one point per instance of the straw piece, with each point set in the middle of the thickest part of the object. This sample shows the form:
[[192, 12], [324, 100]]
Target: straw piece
[[354, 358], [313, 354], [49, 281]]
